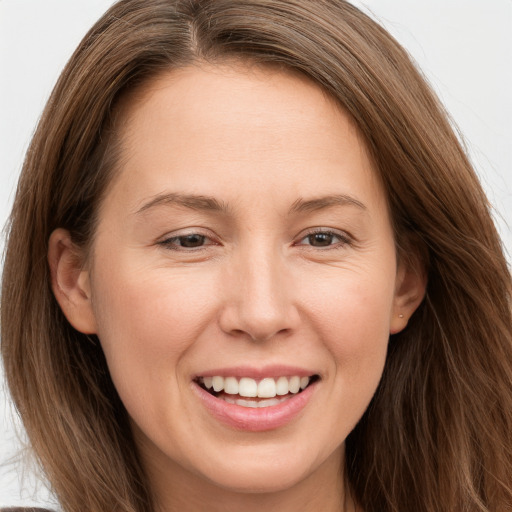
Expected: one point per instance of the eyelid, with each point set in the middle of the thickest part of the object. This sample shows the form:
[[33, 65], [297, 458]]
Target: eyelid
[[345, 237], [166, 240], [212, 240]]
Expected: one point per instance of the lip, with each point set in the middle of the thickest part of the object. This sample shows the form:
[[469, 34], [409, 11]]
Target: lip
[[273, 371], [255, 419]]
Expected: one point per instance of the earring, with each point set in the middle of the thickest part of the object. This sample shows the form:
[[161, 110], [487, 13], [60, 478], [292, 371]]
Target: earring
[[400, 315]]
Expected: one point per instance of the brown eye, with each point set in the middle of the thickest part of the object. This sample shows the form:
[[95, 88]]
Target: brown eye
[[325, 239], [321, 239], [191, 241], [184, 242]]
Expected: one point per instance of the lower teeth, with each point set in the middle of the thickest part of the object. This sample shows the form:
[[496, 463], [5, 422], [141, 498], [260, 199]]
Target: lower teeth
[[253, 403]]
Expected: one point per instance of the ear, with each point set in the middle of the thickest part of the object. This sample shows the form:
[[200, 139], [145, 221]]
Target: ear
[[411, 284], [71, 282]]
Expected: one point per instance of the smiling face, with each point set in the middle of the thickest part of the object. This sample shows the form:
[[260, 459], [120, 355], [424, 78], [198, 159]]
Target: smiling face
[[244, 252]]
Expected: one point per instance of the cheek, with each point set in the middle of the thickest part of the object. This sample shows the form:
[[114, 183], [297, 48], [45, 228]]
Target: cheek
[[357, 342], [147, 320], [353, 317]]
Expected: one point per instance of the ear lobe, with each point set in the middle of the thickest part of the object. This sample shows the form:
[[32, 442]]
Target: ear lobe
[[411, 285], [70, 282]]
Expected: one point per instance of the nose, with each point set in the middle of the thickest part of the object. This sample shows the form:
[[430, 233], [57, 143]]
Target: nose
[[260, 297]]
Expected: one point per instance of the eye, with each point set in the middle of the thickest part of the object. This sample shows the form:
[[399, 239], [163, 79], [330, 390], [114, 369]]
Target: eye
[[187, 241], [325, 239]]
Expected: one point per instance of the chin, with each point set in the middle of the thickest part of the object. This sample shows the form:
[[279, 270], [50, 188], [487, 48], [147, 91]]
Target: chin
[[262, 470], [266, 480]]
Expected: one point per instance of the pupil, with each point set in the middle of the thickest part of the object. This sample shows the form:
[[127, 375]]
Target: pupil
[[192, 241], [320, 239]]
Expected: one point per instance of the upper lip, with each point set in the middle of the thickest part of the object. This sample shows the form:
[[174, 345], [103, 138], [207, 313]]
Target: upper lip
[[258, 373]]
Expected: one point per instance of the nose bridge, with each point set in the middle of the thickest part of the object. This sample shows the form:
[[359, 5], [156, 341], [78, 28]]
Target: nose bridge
[[261, 301]]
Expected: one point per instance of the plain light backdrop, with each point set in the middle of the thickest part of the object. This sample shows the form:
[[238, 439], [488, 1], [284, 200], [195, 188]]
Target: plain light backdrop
[[464, 47]]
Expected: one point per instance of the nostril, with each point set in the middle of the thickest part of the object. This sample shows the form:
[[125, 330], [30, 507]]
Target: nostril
[[259, 317]]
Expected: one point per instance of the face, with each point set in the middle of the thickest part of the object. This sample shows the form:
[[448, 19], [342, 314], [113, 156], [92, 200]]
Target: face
[[243, 280]]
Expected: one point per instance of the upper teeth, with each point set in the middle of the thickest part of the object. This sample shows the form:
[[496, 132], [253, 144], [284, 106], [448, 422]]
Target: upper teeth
[[265, 388]]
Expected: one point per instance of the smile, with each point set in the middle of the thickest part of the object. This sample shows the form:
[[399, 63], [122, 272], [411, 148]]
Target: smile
[[251, 393]]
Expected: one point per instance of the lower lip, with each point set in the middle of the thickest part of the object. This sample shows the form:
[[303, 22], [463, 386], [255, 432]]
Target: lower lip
[[255, 419]]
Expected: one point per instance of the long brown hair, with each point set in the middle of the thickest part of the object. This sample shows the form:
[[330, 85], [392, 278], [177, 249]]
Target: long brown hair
[[437, 436]]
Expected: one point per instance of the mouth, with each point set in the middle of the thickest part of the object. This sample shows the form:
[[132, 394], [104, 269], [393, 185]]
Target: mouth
[[256, 394]]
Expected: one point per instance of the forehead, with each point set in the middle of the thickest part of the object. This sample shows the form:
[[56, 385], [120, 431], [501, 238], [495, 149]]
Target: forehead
[[210, 127], [259, 98]]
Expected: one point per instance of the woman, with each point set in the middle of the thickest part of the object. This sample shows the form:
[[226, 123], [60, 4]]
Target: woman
[[249, 266]]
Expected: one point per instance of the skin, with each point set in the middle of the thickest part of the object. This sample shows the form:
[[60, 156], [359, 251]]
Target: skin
[[259, 291]]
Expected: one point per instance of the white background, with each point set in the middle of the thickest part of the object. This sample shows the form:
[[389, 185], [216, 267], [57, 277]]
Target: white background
[[463, 46]]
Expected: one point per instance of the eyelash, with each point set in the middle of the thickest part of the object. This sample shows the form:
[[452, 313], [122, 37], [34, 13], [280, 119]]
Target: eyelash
[[169, 243], [344, 240]]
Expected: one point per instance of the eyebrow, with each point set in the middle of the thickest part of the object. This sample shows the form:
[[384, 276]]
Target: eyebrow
[[191, 201], [311, 205], [207, 203]]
